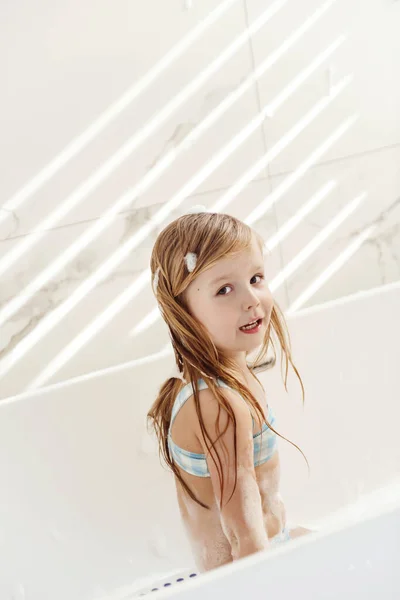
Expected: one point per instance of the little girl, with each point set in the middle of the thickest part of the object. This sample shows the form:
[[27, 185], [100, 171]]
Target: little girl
[[214, 425]]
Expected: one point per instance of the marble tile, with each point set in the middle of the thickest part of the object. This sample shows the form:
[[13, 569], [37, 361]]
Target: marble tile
[[376, 173], [58, 94], [369, 53], [376, 263], [112, 344], [54, 94]]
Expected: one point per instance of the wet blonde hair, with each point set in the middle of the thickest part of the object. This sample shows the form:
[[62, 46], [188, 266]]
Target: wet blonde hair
[[212, 236]]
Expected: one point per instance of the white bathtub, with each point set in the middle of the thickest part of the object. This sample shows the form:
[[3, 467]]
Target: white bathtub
[[80, 505], [357, 561]]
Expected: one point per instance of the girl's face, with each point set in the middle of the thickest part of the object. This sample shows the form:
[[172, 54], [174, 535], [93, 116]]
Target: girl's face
[[230, 294]]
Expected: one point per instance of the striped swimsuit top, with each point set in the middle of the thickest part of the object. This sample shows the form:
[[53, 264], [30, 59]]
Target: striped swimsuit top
[[196, 464]]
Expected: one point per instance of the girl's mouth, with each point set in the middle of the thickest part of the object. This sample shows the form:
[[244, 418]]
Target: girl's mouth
[[252, 328]]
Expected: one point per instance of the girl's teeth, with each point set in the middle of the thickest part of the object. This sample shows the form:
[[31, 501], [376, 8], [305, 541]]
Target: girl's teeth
[[251, 326]]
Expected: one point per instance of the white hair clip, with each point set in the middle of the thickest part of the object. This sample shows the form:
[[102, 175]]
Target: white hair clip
[[155, 281], [191, 260]]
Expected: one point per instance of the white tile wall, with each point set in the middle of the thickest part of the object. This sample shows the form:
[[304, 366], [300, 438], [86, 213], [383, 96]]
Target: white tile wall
[[66, 64]]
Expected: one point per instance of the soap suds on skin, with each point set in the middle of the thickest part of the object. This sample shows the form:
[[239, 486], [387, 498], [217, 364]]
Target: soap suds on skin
[[216, 552], [206, 532], [252, 508], [273, 504], [208, 552]]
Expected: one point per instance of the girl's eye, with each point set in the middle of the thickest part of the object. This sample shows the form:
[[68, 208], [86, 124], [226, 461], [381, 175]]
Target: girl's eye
[[226, 286]]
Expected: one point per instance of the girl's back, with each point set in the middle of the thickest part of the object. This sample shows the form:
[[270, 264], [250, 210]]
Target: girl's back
[[210, 545]]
